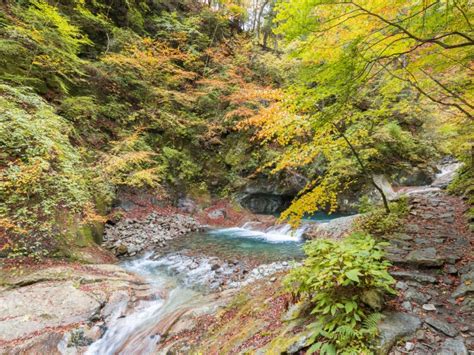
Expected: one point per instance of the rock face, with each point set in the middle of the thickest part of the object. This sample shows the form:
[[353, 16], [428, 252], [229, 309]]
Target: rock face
[[40, 310], [266, 195], [264, 203], [132, 236]]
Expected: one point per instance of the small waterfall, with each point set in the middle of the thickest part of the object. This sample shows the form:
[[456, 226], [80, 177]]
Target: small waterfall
[[275, 234]]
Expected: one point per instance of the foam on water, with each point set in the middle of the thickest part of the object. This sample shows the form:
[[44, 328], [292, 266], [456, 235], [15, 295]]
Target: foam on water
[[139, 332], [275, 234]]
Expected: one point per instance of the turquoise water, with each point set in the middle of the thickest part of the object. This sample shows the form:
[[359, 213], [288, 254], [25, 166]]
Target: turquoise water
[[244, 243], [240, 244], [322, 217]]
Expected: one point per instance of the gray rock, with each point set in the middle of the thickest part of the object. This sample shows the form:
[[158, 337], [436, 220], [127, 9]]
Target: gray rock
[[442, 326], [400, 285], [335, 228], [54, 302], [216, 214], [296, 310], [187, 205], [400, 236], [413, 275], [412, 228], [429, 307], [407, 306], [466, 286], [373, 299], [425, 257], [467, 305], [409, 346], [453, 347], [300, 342], [395, 326], [416, 296], [465, 269]]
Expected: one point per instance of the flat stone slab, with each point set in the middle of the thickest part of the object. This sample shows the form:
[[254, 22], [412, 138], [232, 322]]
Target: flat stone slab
[[37, 308], [395, 326], [31, 308], [453, 347], [415, 276], [442, 326], [425, 257]]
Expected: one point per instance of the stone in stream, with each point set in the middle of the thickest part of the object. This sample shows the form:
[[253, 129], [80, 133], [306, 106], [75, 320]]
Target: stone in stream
[[395, 326]]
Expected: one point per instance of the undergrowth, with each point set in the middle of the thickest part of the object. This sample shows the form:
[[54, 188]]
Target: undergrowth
[[345, 282], [376, 221]]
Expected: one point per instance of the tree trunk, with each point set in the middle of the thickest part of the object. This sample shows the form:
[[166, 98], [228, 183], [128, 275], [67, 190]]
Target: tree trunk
[[364, 170]]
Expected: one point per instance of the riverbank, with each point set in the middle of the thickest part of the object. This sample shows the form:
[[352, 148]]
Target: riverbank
[[194, 301]]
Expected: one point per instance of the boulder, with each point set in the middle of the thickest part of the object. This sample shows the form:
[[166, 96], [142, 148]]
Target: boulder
[[39, 308], [335, 228], [416, 296], [373, 299], [466, 286]]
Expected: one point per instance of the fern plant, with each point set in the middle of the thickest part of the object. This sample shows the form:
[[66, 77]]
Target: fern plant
[[340, 277]]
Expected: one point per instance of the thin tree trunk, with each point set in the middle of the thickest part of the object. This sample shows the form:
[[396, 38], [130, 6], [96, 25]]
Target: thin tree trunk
[[259, 19], [364, 170]]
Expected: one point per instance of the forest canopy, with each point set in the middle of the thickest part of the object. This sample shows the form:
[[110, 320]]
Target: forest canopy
[[195, 98]]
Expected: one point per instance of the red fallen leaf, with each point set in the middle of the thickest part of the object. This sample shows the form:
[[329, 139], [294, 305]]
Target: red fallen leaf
[[459, 300]]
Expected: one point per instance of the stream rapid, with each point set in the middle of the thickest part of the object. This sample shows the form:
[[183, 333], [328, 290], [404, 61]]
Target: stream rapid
[[184, 274]]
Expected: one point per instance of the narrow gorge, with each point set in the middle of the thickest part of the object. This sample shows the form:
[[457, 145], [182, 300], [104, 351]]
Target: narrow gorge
[[236, 177]]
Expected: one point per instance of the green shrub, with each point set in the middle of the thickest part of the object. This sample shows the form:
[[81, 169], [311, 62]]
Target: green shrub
[[377, 222], [345, 281]]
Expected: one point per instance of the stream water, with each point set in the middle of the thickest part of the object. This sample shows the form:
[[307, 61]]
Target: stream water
[[181, 280], [181, 276]]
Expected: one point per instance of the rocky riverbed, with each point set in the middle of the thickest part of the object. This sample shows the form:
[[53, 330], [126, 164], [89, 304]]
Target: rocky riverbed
[[132, 236], [211, 274], [184, 301]]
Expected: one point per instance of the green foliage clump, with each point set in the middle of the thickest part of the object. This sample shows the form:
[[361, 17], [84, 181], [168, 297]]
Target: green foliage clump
[[43, 177], [341, 278], [463, 185], [377, 221]]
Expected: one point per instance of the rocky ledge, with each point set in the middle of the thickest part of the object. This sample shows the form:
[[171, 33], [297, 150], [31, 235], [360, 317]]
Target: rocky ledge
[[64, 308], [132, 236]]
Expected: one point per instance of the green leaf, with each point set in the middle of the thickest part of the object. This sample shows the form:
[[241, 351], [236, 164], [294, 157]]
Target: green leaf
[[353, 275], [328, 349]]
